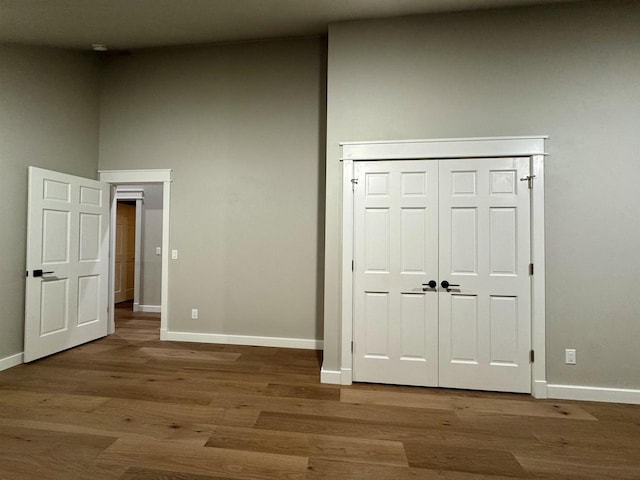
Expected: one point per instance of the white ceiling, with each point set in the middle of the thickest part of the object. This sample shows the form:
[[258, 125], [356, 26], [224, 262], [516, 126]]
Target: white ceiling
[[129, 24]]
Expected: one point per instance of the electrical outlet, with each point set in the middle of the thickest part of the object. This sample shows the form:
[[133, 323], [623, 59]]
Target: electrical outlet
[[194, 313], [158, 250], [174, 254], [570, 356]]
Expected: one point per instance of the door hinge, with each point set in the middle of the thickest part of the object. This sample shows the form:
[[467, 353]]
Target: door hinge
[[529, 180], [354, 182], [352, 346], [353, 265], [532, 356], [531, 269]]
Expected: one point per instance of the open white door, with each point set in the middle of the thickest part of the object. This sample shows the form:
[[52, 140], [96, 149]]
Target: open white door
[[67, 262]]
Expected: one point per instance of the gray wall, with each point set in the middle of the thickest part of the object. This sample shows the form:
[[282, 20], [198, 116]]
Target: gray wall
[[570, 71], [49, 119], [242, 128]]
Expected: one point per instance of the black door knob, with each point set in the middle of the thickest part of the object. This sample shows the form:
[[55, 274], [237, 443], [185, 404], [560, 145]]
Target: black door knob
[[39, 273], [445, 284], [431, 284]]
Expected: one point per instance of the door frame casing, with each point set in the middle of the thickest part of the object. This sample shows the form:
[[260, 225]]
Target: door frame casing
[[471, 148], [137, 177]]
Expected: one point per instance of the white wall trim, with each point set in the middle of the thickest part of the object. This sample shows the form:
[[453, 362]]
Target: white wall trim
[[330, 376], [538, 299], [447, 140], [347, 376], [445, 148], [11, 361], [346, 353], [149, 308], [539, 389], [137, 279], [336, 377], [250, 340], [135, 176], [594, 394], [123, 193], [124, 177], [526, 146]]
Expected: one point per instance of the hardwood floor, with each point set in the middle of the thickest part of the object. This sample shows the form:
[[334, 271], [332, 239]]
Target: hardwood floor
[[132, 407]]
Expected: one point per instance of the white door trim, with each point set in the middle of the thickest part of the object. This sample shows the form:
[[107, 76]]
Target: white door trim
[[529, 146], [133, 177]]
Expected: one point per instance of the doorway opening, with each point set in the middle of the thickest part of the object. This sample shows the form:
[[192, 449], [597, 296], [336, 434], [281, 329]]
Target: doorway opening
[[150, 190], [127, 259]]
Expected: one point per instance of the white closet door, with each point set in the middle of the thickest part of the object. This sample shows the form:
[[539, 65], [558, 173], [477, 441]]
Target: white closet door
[[395, 320], [485, 326]]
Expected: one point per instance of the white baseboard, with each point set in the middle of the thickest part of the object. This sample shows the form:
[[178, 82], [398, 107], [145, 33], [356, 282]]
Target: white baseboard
[[594, 394], [347, 376], [11, 361], [539, 389], [147, 308], [331, 376], [336, 377], [309, 344]]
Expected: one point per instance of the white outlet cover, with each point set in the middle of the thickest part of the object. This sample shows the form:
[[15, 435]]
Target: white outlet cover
[[174, 254], [158, 250], [194, 313]]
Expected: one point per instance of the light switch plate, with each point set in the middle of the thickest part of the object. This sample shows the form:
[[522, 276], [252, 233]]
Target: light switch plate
[[570, 356], [174, 254], [158, 250]]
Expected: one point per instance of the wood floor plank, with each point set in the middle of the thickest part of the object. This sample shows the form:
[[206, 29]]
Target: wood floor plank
[[323, 469], [118, 425], [190, 355], [135, 473], [196, 414], [304, 391], [615, 412], [440, 433], [589, 435], [540, 467], [14, 400], [496, 406], [309, 445], [298, 406], [552, 431], [421, 454], [578, 455], [236, 374], [28, 454], [337, 426], [204, 460]]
